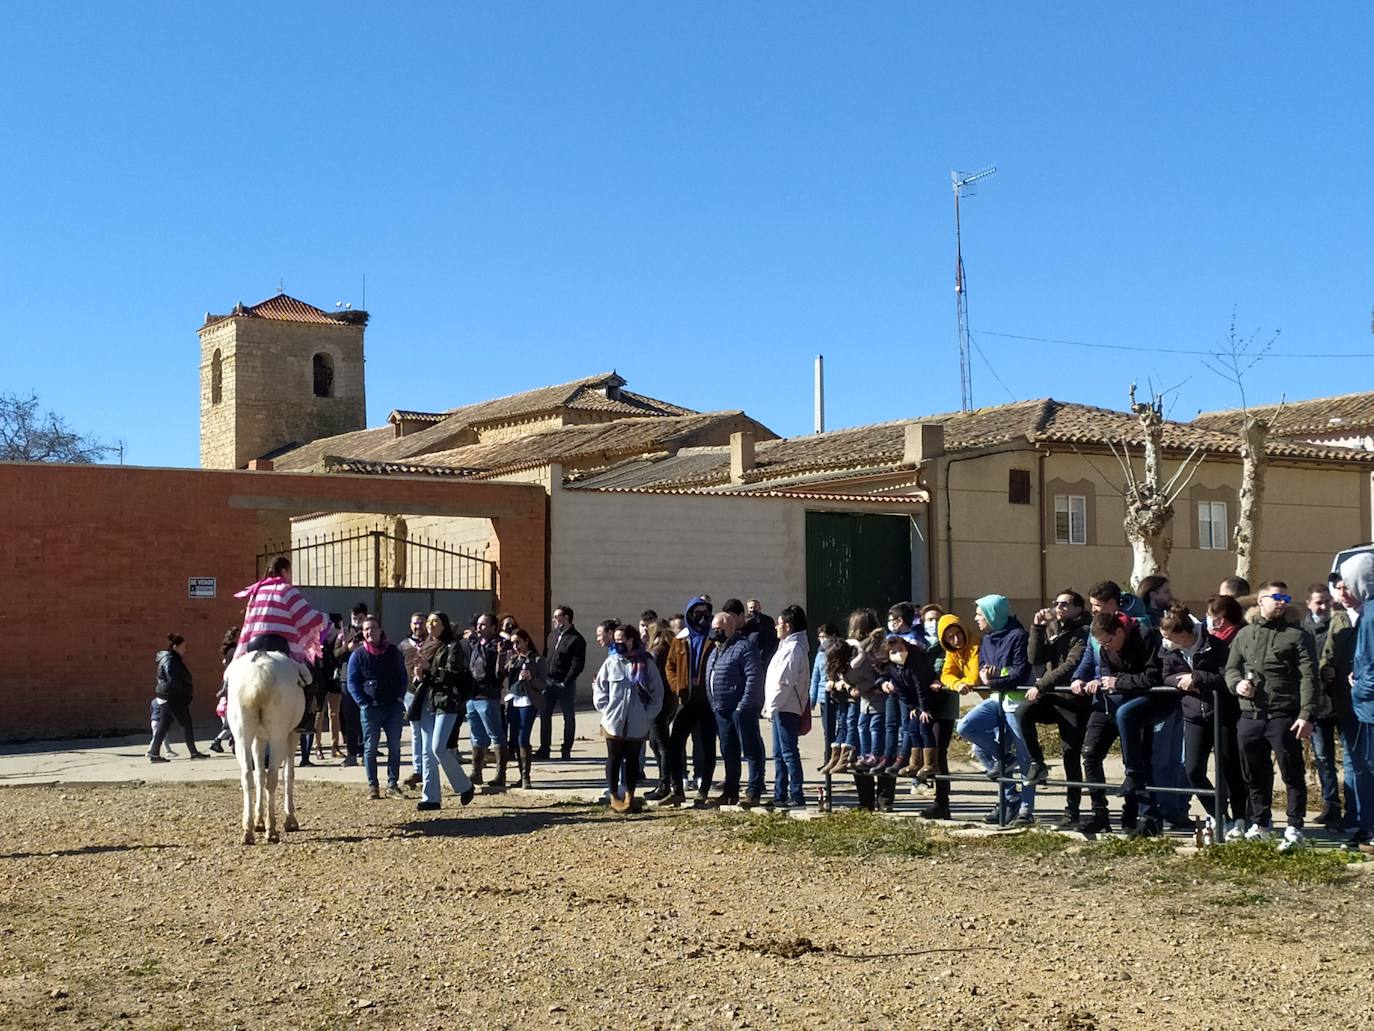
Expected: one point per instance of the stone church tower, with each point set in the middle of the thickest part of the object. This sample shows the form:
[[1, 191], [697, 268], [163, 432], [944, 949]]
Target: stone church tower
[[281, 372]]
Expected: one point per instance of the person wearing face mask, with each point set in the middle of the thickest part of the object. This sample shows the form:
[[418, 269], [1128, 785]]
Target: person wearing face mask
[[930, 624], [685, 674], [734, 689], [909, 676], [1272, 670], [488, 661], [897, 744], [756, 627], [628, 693]]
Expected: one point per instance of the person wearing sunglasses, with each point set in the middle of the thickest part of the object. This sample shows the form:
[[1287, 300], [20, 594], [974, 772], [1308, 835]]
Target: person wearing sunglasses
[[1272, 670]]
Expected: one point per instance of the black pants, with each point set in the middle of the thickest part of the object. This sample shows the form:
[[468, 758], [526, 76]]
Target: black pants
[[561, 695], [1070, 714], [268, 643], [944, 733], [659, 735], [622, 755], [352, 721], [181, 712], [1098, 735], [1198, 739], [689, 717], [873, 789], [1259, 738]]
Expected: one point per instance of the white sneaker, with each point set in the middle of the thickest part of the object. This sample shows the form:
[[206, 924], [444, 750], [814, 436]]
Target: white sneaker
[[1235, 830], [167, 751], [1292, 838], [1258, 833]]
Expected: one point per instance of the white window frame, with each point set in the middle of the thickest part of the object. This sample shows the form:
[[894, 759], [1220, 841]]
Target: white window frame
[[1065, 504], [1210, 516]]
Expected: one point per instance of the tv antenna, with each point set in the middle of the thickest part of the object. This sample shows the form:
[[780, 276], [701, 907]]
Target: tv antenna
[[964, 182]]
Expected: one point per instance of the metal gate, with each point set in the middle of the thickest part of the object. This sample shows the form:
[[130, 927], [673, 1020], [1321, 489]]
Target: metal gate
[[855, 560], [392, 575]]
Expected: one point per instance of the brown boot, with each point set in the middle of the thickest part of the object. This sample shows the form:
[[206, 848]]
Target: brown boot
[[525, 761], [502, 757], [846, 762], [930, 765], [831, 758], [479, 759], [912, 764]]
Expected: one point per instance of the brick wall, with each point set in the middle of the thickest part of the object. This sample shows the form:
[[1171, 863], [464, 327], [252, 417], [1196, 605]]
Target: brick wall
[[94, 562]]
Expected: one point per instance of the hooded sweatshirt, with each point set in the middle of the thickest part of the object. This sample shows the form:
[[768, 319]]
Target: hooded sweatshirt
[[961, 666], [1004, 648], [1358, 574]]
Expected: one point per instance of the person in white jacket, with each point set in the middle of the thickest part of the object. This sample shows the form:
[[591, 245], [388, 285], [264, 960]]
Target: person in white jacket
[[786, 697], [628, 692]]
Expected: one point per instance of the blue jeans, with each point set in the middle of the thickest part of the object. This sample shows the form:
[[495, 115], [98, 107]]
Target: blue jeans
[[740, 736], [1151, 729], [871, 733], [980, 728], [484, 723], [522, 720], [1324, 758], [1360, 751], [894, 741], [850, 734], [415, 751], [379, 719], [787, 767], [435, 754]]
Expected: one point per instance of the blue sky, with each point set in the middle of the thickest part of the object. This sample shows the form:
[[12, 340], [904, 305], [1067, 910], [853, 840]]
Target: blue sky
[[702, 196]]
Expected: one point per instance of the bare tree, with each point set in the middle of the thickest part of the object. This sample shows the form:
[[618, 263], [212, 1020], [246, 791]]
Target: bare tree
[[1237, 355], [26, 435], [1150, 503]]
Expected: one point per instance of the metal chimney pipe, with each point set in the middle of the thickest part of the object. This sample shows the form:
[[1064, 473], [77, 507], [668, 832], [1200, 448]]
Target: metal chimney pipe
[[820, 393]]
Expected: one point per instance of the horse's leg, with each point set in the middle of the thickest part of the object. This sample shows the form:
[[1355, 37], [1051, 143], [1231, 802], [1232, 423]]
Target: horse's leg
[[260, 748], [291, 823], [273, 831], [246, 780]]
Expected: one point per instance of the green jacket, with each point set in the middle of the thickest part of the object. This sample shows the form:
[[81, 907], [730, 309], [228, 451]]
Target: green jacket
[[1279, 658], [1335, 664]]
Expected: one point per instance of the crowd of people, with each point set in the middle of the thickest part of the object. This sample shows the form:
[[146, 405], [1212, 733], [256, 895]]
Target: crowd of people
[[1249, 676]]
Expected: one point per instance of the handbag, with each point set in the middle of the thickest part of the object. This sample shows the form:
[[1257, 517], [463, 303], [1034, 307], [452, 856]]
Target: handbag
[[804, 723]]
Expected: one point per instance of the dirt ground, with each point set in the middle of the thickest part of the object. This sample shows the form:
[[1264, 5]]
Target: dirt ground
[[136, 907]]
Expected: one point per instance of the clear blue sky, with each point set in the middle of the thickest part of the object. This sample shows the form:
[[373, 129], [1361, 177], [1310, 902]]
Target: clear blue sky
[[703, 196]]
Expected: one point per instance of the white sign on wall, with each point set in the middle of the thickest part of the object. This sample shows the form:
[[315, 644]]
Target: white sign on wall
[[200, 587]]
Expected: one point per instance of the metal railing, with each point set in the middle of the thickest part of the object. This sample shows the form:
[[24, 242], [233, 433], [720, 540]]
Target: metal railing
[[1218, 791]]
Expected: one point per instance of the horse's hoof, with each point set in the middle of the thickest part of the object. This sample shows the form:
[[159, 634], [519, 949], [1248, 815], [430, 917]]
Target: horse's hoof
[[291, 823], [274, 838], [260, 826], [248, 837]]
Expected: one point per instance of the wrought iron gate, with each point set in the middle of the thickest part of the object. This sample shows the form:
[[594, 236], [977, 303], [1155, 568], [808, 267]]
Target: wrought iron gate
[[392, 575]]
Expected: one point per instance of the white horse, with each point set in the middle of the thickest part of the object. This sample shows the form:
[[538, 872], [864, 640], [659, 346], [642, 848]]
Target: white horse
[[265, 706]]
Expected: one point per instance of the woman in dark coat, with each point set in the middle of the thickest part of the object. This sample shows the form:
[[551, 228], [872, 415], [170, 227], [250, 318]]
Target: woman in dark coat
[[174, 689]]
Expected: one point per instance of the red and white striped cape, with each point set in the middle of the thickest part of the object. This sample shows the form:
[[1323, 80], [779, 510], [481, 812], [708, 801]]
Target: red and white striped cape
[[276, 607]]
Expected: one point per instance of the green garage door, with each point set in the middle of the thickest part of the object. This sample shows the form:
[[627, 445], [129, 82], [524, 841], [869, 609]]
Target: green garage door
[[853, 561]]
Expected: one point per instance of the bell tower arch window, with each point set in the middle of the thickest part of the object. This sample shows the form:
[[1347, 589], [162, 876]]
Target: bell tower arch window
[[216, 377], [324, 375]]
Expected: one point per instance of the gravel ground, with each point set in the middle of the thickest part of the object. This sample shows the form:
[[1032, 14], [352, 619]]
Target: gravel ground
[[134, 906]]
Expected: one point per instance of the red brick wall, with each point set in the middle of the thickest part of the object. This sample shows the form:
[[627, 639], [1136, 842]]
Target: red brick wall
[[94, 562]]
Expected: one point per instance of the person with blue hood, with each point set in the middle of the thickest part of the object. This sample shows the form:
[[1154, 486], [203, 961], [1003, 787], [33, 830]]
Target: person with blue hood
[[1357, 578], [685, 674], [1004, 671]]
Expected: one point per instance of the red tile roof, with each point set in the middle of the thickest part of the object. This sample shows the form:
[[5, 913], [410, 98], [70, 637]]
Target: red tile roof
[[284, 308]]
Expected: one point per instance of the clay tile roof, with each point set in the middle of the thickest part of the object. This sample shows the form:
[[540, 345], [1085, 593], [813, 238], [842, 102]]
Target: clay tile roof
[[402, 415], [597, 443], [878, 449], [1318, 415], [600, 393], [285, 308]]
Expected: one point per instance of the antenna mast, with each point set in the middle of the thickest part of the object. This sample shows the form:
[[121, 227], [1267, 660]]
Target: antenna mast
[[964, 181]]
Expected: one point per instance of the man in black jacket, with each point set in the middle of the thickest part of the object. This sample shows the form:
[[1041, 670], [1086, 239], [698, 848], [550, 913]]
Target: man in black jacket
[[1057, 638], [758, 628], [565, 657]]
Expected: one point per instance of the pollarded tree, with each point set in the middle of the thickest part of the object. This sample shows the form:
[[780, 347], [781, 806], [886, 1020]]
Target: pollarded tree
[[1237, 355], [26, 435], [1150, 503]]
